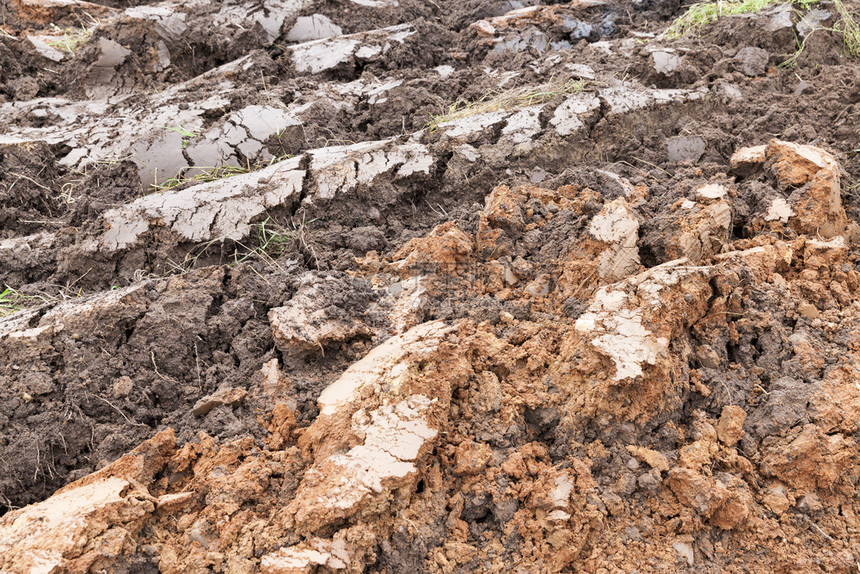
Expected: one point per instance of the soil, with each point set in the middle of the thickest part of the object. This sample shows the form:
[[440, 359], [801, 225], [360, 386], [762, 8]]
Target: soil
[[609, 327]]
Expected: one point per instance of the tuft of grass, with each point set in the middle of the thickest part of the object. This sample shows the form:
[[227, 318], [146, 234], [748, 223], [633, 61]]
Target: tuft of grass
[[274, 240], [506, 100], [186, 134], [791, 62], [12, 301], [6, 30], [213, 174], [73, 38], [852, 189], [848, 27], [9, 301], [701, 14], [210, 174]]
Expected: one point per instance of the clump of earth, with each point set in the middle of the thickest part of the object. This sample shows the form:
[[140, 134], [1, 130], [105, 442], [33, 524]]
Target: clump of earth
[[379, 286]]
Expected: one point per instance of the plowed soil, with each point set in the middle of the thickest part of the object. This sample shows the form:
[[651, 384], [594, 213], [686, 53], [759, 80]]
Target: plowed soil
[[404, 286]]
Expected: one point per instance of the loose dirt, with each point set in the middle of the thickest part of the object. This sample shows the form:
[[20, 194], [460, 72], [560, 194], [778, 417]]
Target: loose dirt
[[395, 286]]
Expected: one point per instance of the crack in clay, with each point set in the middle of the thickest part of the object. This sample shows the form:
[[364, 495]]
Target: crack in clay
[[220, 209], [619, 330], [625, 340], [382, 366], [393, 438]]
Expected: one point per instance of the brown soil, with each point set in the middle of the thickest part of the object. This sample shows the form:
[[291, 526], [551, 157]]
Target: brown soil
[[611, 326]]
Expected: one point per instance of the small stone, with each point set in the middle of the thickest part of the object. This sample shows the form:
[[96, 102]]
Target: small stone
[[626, 484], [813, 20], [539, 287], [808, 310], [581, 71], [122, 387], [502, 208], [112, 54], [632, 533], [802, 86], [707, 357], [46, 50]]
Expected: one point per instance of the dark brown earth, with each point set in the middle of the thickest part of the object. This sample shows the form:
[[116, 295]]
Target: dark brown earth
[[646, 352]]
